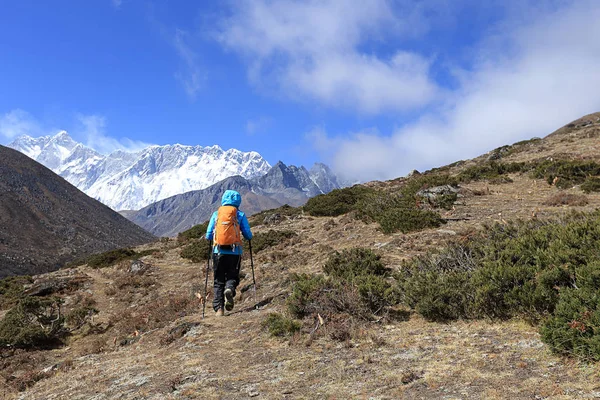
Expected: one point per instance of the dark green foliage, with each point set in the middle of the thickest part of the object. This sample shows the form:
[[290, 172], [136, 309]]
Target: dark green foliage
[[354, 262], [591, 184], [197, 251], [393, 211], [79, 316], [11, 290], [491, 171], [540, 270], [264, 240], [574, 328], [109, 258], [283, 211], [523, 143], [32, 322], [438, 286], [400, 212], [279, 325], [565, 174], [306, 293], [408, 220], [355, 285], [337, 202], [195, 232]]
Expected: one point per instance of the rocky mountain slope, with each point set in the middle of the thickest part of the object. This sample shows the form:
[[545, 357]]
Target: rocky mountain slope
[[45, 221], [147, 336], [281, 185], [130, 181]]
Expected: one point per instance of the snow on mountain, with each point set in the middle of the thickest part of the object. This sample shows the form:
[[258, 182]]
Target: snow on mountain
[[130, 181]]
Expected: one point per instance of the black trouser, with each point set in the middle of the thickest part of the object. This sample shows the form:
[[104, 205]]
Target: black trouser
[[226, 269]]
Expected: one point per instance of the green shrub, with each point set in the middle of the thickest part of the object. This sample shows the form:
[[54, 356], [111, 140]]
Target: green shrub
[[491, 171], [438, 286], [283, 211], [565, 174], [79, 316], [110, 258], [264, 240], [197, 251], [354, 262], [337, 202], [355, 285], [195, 232], [32, 322], [11, 290], [307, 290], [574, 328], [540, 270], [408, 220], [279, 325], [591, 184]]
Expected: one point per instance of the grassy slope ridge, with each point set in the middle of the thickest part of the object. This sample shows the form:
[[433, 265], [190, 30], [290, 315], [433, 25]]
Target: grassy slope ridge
[[348, 304]]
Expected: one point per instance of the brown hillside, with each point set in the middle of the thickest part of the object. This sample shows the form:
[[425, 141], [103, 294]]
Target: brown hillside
[[148, 340], [46, 222]]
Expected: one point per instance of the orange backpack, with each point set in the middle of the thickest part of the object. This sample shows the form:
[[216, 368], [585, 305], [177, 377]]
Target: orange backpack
[[227, 228]]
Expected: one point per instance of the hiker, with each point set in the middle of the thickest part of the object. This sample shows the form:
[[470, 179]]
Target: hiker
[[225, 229]]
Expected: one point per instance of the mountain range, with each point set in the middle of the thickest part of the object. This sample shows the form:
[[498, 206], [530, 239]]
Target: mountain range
[[45, 221], [281, 185], [132, 180]]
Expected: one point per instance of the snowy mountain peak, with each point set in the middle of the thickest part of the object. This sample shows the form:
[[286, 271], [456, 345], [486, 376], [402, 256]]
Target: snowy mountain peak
[[130, 181]]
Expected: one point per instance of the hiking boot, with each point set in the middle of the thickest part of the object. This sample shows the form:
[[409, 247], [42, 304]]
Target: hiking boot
[[229, 299], [219, 313]]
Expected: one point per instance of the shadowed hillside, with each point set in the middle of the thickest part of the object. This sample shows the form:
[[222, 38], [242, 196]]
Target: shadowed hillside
[[46, 222]]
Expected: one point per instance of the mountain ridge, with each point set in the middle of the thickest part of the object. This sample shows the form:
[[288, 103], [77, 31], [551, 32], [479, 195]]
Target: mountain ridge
[[281, 185], [132, 180]]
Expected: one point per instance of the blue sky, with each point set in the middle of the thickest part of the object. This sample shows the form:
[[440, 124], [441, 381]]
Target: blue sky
[[374, 88]]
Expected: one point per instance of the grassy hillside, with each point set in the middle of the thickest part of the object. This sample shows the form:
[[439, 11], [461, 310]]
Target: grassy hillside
[[474, 280]]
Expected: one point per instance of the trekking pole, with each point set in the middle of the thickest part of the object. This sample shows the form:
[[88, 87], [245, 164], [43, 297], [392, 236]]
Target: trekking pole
[[252, 265], [206, 281]]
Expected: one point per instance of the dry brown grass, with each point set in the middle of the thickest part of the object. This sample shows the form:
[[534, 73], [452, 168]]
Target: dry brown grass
[[566, 199]]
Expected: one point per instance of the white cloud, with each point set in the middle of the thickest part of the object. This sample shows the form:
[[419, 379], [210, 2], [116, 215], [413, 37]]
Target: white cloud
[[191, 75], [16, 123], [257, 125], [93, 127], [527, 82], [311, 50]]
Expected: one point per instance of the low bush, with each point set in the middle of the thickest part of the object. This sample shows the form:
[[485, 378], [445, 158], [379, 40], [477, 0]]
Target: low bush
[[279, 325], [591, 184], [264, 240], [337, 202], [355, 284], [354, 262], [566, 199], [11, 290], [263, 217], [491, 171], [544, 271], [197, 251], [33, 322], [195, 232], [112, 257], [565, 174]]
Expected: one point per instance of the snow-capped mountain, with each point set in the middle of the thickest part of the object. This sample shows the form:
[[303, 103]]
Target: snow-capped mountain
[[130, 181]]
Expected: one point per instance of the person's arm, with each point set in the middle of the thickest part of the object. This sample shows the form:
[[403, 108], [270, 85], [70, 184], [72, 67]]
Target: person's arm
[[244, 225], [210, 230]]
